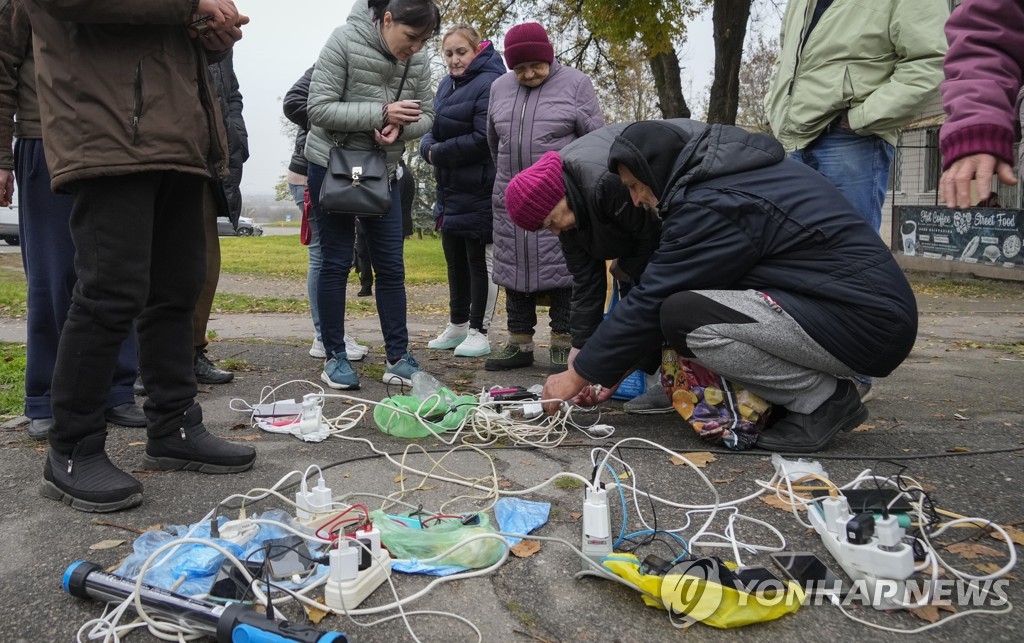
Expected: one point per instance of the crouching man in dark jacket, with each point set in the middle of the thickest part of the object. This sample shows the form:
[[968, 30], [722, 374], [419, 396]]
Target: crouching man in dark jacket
[[763, 274]]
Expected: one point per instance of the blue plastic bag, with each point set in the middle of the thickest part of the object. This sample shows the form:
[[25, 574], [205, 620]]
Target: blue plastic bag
[[518, 516]]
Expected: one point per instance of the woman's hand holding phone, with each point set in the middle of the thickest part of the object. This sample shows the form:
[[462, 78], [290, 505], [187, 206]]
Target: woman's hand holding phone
[[403, 112]]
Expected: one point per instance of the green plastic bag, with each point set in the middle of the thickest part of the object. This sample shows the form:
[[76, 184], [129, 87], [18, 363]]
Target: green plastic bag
[[440, 413], [408, 537]]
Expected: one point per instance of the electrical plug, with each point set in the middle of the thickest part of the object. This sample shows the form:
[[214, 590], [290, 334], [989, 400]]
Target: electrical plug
[[889, 533], [321, 497], [344, 563], [373, 535]]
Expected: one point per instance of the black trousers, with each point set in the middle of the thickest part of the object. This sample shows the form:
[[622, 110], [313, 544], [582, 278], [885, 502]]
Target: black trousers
[[468, 281], [521, 308], [140, 254]]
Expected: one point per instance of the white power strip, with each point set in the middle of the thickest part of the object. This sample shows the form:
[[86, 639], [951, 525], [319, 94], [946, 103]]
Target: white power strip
[[883, 563], [597, 537], [348, 595]]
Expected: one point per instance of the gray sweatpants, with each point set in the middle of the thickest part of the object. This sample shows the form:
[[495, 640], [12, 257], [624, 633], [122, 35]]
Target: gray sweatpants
[[747, 338]]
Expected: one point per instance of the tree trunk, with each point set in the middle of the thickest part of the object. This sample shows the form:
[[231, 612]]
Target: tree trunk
[[669, 85], [729, 19]]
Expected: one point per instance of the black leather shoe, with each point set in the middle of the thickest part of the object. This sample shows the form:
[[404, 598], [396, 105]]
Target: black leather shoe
[[128, 414], [38, 428], [139, 388], [192, 448], [207, 373], [365, 291], [811, 432], [87, 480]]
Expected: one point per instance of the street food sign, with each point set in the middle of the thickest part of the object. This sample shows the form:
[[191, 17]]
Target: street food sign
[[986, 236]]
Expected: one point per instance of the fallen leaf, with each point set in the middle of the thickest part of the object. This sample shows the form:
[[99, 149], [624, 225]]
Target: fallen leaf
[[1016, 535], [723, 480], [399, 479], [930, 613], [575, 515], [774, 501], [136, 444], [736, 470], [970, 551], [988, 568], [106, 544], [861, 428], [504, 484], [526, 548], [624, 475], [957, 416], [239, 426], [316, 615], [134, 530], [247, 438], [347, 475], [698, 459], [958, 450]]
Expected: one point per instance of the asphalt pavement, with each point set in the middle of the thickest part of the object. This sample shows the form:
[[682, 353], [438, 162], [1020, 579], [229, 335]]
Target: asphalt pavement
[[951, 415]]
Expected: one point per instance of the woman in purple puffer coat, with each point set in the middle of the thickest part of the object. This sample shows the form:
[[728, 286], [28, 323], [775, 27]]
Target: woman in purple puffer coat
[[540, 106], [982, 96]]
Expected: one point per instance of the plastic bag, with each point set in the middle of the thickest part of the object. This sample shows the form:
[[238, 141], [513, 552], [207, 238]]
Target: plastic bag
[[409, 537], [440, 413], [704, 600], [519, 516], [721, 412]]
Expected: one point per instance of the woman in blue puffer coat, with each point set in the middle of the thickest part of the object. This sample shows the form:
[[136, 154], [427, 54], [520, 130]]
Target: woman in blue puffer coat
[[464, 171]]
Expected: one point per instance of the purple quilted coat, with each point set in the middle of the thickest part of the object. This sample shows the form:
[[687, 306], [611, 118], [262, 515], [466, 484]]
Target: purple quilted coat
[[522, 124]]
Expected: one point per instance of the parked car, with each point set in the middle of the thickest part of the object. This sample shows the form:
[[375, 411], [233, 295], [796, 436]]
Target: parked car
[[246, 228], [9, 231]]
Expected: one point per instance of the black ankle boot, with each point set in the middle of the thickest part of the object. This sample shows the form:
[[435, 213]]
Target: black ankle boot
[[192, 448], [811, 432], [207, 373], [87, 480]]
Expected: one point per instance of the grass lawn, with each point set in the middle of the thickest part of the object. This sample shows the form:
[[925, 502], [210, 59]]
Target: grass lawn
[[12, 379], [285, 257]]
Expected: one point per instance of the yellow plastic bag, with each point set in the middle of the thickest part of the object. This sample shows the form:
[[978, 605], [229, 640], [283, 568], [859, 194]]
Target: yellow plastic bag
[[703, 600]]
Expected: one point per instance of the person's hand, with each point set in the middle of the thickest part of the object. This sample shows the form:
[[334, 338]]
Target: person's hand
[[387, 134], [594, 395], [221, 40], [955, 184], [403, 112], [562, 386], [223, 14], [6, 187]]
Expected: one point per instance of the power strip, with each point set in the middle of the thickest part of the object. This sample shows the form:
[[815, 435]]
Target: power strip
[[349, 594], [883, 562]]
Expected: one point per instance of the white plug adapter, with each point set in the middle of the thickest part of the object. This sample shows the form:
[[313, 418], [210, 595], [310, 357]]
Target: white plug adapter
[[889, 533], [321, 499], [344, 563], [373, 535], [597, 541]]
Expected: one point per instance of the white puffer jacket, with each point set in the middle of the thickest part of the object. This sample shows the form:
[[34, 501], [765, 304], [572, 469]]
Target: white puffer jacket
[[354, 76]]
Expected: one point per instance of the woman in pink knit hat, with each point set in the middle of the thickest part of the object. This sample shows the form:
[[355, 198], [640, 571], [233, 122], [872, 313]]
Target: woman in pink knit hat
[[538, 107]]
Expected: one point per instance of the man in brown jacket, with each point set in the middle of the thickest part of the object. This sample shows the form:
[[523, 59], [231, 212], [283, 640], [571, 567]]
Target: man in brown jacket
[[132, 132]]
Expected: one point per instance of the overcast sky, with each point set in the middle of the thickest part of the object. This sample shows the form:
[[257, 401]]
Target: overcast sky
[[285, 38]]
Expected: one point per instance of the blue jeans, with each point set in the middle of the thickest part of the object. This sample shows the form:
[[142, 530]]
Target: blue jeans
[[387, 255], [857, 165]]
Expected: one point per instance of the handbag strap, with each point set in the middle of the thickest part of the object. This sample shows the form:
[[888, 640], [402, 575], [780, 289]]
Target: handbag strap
[[398, 94]]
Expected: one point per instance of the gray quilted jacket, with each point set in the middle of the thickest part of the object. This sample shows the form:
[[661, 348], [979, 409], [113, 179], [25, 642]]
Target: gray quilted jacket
[[523, 124], [354, 76]]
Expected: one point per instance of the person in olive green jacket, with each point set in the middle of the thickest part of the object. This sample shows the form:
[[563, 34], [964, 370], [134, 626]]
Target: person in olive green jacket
[[849, 75]]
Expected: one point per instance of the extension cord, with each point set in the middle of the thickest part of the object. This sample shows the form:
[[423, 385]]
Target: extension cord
[[597, 538], [348, 595], [883, 565]]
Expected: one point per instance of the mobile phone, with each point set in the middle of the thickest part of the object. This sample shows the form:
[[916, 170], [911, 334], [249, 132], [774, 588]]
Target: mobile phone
[[809, 572], [230, 584], [288, 556], [872, 500], [201, 24]]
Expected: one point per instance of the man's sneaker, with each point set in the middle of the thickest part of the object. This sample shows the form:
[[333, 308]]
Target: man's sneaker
[[401, 371], [475, 345], [810, 432], [653, 401], [207, 373], [559, 357], [865, 390], [192, 448], [354, 351], [138, 387], [338, 374], [317, 349], [450, 337], [509, 356], [39, 428], [87, 480]]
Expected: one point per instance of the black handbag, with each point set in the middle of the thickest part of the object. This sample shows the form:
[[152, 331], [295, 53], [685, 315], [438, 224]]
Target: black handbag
[[357, 181]]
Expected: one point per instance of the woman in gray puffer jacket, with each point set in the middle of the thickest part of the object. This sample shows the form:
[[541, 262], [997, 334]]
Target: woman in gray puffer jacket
[[371, 85], [540, 106]]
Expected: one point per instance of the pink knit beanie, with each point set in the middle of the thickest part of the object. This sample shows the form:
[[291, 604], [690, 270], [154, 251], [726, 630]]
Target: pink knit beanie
[[533, 193], [527, 43]]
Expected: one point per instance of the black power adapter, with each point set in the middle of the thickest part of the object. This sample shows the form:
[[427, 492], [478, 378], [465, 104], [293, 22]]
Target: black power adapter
[[860, 529]]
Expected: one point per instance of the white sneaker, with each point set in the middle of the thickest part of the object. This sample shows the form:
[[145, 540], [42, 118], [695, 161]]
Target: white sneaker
[[354, 350], [450, 337], [317, 349], [475, 345]]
